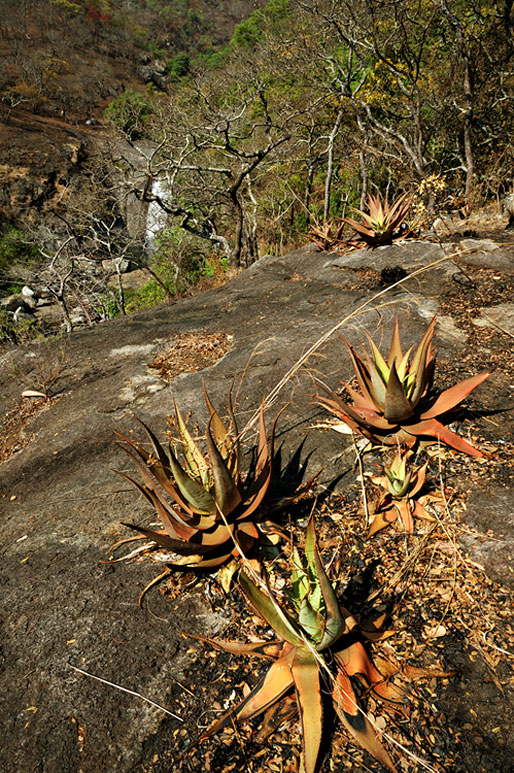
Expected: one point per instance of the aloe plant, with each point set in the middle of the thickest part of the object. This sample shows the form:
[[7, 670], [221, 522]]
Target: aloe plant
[[209, 510], [319, 647], [401, 484], [380, 225], [396, 402]]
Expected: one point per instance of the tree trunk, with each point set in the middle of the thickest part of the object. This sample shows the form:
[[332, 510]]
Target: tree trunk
[[468, 147], [330, 164]]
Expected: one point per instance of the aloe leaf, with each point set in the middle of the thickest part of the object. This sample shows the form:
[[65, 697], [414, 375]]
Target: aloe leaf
[[265, 649], [395, 352], [273, 686], [397, 407], [158, 449], [196, 496], [356, 722], [451, 397], [421, 361], [235, 470], [362, 375], [270, 611], [182, 547], [192, 454], [221, 434], [228, 496], [434, 428], [306, 677], [334, 622]]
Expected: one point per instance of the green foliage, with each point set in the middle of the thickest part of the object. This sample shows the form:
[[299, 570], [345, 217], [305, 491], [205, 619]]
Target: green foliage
[[72, 8], [129, 113], [146, 297], [250, 31], [178, 66]]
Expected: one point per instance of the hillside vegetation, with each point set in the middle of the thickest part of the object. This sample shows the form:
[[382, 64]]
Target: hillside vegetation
[[244, 136]]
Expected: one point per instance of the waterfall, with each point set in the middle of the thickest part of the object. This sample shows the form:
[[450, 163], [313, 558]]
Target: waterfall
[[156, 218]]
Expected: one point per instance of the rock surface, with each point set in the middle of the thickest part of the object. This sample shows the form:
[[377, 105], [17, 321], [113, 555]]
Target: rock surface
[[62, 505]]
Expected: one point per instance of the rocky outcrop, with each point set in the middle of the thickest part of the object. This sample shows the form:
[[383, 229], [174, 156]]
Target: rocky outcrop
[[38, 158], [62, 505]]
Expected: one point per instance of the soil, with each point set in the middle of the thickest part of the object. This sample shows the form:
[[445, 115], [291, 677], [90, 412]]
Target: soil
[[447, 588]]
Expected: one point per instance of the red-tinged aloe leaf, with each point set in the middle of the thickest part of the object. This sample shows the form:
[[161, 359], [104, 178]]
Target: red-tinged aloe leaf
[[275, 684], [162, 477], [356, 722], [306, 677], [182, 547], [378, 523], [420, 512], [196, 497], [220, 432], [358, 399], [247, 527], [237, 449], [259, 486], [335, 625], [360, 228], [450, 398], [228, 496], [173, 523], [362, 375], [152, 494], [404, 508], [265, 649], [397, 407], [270, 611], [216, 536], [434, 428], [158, 449], [356, 661], [420, 480], [263, 454]]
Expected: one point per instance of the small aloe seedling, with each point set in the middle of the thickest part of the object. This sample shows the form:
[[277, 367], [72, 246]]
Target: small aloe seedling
[[401, 484], [208, 509], [380, 225], [396, 403], [319, 646]]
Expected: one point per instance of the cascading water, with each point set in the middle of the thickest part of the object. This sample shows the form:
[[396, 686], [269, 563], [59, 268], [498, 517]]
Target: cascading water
[[156, 217]]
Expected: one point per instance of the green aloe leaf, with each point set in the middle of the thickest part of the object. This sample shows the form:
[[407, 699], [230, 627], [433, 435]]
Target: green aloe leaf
[[335, 624], [196, 496], [270, 611]]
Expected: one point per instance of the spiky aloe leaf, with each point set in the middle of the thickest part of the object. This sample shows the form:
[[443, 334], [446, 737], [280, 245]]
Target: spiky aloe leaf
[[266, 649], [306, 676], [397, 408], [196, 463], [271, 688], [227, 494], [433, 428], [200, 500], [334, 624], [356, 721], [451, 397], [270, 611]]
